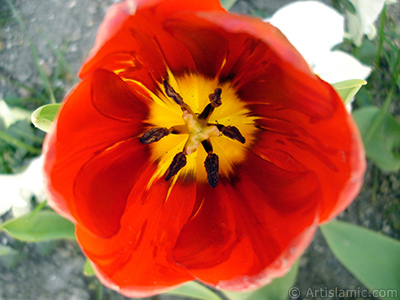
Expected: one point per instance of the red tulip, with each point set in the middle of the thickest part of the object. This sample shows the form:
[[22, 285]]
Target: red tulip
[[198, 145]]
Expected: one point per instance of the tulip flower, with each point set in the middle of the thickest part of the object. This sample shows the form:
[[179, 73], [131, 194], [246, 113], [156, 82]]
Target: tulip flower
[[198, 145]]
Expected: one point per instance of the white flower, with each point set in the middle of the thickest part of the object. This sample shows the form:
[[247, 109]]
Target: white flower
[[335, 66], [17, 189], [314, 29], [12, 115], [367, 11]]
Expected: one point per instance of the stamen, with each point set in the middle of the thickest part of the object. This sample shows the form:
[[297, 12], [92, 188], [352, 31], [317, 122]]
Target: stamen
[[169, 90], [178, 163], [212, 165], [207, 146], [232, 132], [154, 135], [215, 101], [206, 112], [215, 98]]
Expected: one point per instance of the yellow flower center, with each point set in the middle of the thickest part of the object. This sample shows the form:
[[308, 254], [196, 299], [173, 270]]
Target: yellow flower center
[[198, 128]]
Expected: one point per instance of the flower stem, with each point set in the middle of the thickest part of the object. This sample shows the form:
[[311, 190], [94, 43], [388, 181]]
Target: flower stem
[[99, 291]]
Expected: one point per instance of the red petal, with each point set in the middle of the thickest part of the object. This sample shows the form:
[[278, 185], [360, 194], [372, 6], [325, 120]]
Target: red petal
[[237, 56], [120, 12], [81, 132], [250, 229], [206, 45], [141, 50], [253, 55], [116, 99], [254, 31], [329, 147], [104, 183], [137, 261]]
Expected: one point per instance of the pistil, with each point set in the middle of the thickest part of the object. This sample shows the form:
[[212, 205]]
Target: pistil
[[199, 132]]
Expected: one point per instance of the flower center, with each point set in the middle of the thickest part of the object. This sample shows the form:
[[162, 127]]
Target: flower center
[[199, 132], [223, 128]]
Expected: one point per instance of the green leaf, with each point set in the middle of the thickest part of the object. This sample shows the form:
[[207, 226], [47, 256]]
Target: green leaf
[[227, 4], [42, 226], [366, 53], [88, 269], [347, 89], [195, 290], [382, 146], [278, 289], [372, 257], [44, 116], [364, 98]]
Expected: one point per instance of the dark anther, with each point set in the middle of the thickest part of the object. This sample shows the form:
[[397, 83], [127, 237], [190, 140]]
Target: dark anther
[[178, 163], [154, 135], [212, 165], [215, 101], [232, 132], [207, 146], [169, 90], [215, 98]]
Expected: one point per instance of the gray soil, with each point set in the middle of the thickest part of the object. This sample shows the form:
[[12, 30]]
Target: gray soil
[[53, 271]]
